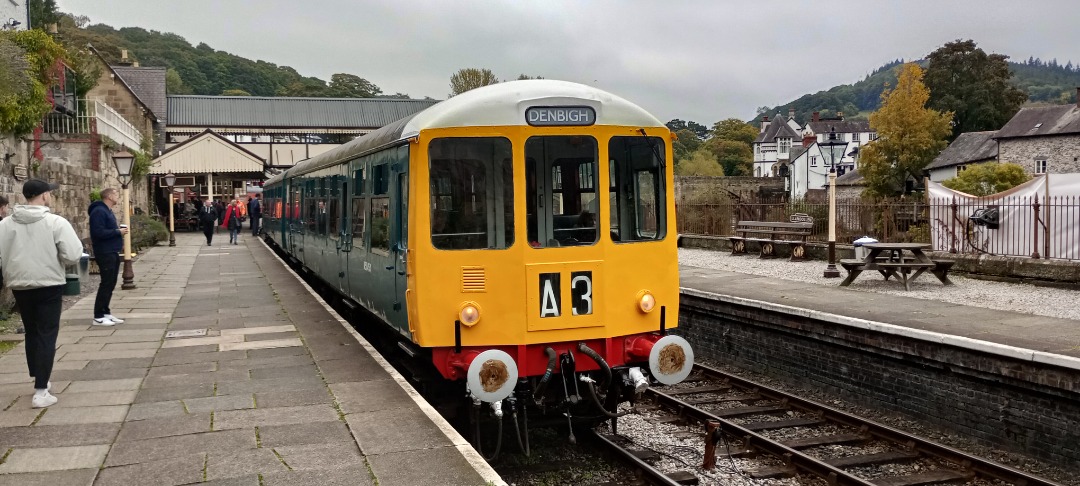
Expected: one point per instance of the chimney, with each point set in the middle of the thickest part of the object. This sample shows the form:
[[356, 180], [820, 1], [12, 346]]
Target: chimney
[[764, 122], [123, 55], [135, 64], [840, 115], [791, 113], [815, 116], [808, 139]]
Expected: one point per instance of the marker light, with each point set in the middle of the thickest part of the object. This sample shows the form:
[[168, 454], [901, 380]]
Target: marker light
[[469, 314], [646, 301]]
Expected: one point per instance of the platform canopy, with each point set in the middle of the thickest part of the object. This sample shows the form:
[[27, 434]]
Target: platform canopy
[[206, 153]]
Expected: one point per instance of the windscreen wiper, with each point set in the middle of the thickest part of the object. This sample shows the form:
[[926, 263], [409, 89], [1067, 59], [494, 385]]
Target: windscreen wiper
[[652, 145]]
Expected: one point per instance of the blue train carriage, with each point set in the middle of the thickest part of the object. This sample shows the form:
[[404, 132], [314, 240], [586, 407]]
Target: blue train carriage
[[514, 232]]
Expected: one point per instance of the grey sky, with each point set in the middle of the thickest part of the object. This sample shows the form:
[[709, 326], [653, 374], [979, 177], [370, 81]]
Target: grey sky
[[695, 60]]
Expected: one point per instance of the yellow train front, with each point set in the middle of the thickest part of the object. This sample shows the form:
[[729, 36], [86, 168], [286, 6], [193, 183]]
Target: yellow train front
[[526, 239]]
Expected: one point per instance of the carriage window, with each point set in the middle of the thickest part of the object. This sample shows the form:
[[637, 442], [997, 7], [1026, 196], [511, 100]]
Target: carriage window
[[637, 189], [333, 215], [472, 193], [561, 182], [359, 217], [380, 225]]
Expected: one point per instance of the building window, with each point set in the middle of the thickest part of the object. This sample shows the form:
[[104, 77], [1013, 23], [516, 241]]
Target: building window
[[784, 145], [855, 137], [960, 168], [813, 161], [1040, 166], [873, 136]]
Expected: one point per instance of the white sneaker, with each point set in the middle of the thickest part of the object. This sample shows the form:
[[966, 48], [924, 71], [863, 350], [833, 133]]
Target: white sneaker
[[114, 318], [43, 400], [104, 321]]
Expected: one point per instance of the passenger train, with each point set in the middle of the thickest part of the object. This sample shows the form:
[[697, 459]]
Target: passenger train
[[520, 236]]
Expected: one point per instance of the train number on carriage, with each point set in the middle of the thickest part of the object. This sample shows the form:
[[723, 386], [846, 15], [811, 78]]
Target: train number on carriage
[[581, 294]]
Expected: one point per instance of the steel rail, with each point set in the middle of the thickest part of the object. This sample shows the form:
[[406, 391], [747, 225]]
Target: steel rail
[[979, 465], [652, 474]]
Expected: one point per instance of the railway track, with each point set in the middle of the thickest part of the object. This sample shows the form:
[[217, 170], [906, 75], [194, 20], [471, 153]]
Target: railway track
[[790, 436]]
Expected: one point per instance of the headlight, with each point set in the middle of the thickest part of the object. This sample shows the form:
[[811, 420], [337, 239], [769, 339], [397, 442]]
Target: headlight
[[646, 301], [469, 314]]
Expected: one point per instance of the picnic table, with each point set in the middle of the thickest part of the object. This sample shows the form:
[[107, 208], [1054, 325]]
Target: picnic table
[[905, 261]]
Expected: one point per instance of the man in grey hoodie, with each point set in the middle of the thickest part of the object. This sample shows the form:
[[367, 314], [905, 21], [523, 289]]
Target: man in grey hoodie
[[35, 245]]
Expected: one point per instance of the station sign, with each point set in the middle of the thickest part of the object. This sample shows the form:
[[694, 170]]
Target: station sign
[[558, 116]]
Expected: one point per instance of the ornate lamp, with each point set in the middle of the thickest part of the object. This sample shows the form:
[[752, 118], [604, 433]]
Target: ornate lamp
[[170, 180], [834, 148], [124, 162]]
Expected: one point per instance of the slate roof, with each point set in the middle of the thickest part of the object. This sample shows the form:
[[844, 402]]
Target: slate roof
[[967, 148], [148, 84], [841, 126], [797, 152], [777, 128], [268, 112], [1042, 121], [851, 178]]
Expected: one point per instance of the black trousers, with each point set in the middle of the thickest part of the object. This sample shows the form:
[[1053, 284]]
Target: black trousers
[[255, 225], [209, 232], [109, 266], [40, 310]]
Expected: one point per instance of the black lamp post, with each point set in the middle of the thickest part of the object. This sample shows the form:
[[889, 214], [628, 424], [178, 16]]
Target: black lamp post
[[835, 150], [124, 162], [170, 180]]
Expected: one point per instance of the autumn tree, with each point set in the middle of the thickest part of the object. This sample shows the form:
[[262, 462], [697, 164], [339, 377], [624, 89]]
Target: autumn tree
[[973, 85], [686, 143], [989, 178], [470, 78], [734, 156], [910, 135], [352, 86], [700, 163], [736, 130]]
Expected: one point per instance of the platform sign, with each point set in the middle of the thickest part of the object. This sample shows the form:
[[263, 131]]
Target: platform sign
[[14, 15]]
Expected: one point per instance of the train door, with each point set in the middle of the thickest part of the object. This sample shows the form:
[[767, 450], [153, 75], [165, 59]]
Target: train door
[[292, 210], [340, 234], [401, 248]]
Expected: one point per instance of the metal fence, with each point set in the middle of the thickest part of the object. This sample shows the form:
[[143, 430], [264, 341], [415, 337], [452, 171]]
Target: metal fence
[[1033, 227]]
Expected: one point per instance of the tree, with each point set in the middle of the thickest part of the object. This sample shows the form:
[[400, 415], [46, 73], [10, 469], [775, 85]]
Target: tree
[[685, 145], [235, 92], [174, 84], [973, 85], [734, 156], [700, 163], [470, 78], [736, 130], [42, 13], [989, 178], [352, 86], [910, 135], [23, 110], [700, 130], [14, 70], [522, 77]]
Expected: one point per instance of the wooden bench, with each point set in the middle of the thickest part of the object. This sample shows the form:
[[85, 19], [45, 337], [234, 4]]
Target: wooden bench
[[770, 233]]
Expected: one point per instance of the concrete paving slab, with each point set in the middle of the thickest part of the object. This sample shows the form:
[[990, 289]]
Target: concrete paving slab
[[259, 330], [219, 403], [143, 411], [164, 427], [414, 467], [320, 456], [83, 415], [104, 364], [256, 386], [369, 396], [283, 372], [134, 353], [226, 376], [277, 352], [54, 459], [202, 341], [340, 476], [105, 385], [293, 398], [94, 399], [19, 418], [166, 393], [183, 469], [302, 434], [73, 477], [160, 360], [273, 343], [213, 443], [184, 369], [237, 419], [120, 339], [271, 336], [126, 346], [58, 435], [243, 463], [91, 375], [266, 363], [375, 438]]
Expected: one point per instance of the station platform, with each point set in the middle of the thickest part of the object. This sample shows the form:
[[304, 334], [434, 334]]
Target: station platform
[[228, 370], [1039, 339]]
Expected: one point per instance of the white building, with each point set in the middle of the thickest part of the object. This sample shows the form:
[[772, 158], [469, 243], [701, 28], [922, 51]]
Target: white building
[[968, 148], [782, 141]]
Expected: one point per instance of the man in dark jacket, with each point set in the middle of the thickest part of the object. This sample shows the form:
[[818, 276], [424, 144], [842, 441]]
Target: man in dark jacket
[[255, 213], [208, 220], [108, 240]]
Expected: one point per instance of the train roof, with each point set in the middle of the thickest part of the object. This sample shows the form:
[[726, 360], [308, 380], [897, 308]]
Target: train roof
[[501, 104]]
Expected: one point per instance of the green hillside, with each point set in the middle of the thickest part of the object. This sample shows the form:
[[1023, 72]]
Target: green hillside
[[1044, 82]]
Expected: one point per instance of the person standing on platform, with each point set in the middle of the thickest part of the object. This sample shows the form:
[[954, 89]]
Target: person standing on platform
[[255, 213], [35, 246], [107, 240], [208, 220], [232, 221]]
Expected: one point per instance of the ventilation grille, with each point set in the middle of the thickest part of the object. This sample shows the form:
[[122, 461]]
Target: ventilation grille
[[473, 279]]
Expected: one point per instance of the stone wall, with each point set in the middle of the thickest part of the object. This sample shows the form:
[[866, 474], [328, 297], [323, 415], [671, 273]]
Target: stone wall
[[689, 187], [1062, 153], [111, 90]]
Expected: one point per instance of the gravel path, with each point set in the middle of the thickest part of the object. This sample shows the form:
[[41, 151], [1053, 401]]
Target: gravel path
[[1023, 298]]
